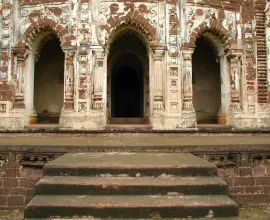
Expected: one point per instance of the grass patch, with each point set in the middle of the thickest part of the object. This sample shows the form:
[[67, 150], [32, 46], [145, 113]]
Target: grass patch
[[254, 213], [5, 213]]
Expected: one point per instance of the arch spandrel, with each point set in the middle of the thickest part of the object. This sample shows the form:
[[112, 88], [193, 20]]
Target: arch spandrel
[[142, 15], [217, 30], [45, 26]]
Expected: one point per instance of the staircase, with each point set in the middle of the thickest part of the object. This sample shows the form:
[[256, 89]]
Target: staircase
[[131, 185]]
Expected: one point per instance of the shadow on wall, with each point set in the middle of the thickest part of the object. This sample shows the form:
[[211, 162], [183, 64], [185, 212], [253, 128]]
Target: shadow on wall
[[49, 82], [206, 83]]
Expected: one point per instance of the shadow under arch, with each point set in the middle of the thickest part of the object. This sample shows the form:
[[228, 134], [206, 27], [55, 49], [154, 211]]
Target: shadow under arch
[[128, 76], [44, 74], [211, 83]]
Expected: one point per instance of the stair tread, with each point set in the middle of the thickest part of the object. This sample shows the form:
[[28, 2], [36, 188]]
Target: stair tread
[[130, 185], [93, 218], [128, 160], [131, 181], [126, 201]]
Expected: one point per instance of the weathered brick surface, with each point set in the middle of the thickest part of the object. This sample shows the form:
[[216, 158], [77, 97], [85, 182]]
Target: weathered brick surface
[[247, 176], [251, 185], [17, 183]]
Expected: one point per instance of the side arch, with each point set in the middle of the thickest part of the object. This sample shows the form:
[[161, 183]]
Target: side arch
[[45, 25], [222, 44], [214, 27]]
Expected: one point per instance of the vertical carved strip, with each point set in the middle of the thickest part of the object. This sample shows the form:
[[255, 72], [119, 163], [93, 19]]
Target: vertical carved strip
[[235, 73], [19, 96], [20, 53], [261, 53], [6, 12], [187, 79], [249, 37], [158, 78], [98, 79], [69, 78]]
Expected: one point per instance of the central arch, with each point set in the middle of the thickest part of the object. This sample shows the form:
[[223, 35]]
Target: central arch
[[128, 78]]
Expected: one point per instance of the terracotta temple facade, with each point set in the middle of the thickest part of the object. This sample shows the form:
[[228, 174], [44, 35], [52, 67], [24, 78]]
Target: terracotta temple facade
[[169, 64]]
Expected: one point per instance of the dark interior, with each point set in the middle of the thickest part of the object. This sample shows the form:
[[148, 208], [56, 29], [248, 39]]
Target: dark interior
[[206, 82], [49, 82], [127, 93]]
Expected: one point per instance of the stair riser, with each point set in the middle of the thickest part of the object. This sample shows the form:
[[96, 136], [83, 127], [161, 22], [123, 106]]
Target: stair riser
[[49, 189], [190, 171], [124, 212]]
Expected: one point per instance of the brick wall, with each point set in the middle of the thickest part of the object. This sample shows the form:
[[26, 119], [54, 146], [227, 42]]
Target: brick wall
[[247, 175], [249, 183], [17, 181]]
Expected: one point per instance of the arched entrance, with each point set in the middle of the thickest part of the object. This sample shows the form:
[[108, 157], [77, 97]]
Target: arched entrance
[[128, 81], [49, 82], [206, 82]]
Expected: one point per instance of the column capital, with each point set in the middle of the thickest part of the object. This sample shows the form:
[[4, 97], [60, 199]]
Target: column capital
[[234, 54], [20, 51], [98, 51], [69, 51], [187, 53], [158, 52]]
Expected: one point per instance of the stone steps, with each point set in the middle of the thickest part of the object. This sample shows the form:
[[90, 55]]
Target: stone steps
[[150, 206], [130, 185], [71, 185], [131, 164]]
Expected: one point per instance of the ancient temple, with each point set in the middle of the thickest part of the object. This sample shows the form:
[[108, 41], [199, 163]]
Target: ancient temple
[[169, 64]]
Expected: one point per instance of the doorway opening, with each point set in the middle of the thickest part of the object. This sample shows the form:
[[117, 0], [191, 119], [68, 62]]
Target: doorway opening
[[49, 82], [206, 82], [128, 83], [127, 93]]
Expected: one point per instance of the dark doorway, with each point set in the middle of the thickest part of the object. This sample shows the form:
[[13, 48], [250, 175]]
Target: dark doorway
[[128, 79], [206, 82], [49, 82], [127, 93]]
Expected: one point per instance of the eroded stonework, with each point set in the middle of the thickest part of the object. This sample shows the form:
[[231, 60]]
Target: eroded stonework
[[164, 36]]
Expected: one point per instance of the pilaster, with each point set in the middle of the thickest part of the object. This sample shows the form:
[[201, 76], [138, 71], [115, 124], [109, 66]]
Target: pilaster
[[188, 113], [235, 58], [69, 78], [158, 54], [98, 78]]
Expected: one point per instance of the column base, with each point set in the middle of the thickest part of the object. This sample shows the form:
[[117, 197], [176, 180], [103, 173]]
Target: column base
[[161, 121], [93, 120], [189, 119]]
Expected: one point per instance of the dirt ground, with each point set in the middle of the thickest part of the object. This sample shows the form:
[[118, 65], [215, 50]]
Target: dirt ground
[[245, 214]]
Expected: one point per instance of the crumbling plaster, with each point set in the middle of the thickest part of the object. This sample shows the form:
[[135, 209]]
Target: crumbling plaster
[[169, 28]]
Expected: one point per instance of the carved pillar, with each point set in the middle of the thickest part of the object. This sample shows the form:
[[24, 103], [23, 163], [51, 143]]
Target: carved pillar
[[158, 78], [187, 79], [19, 78], [19, 95], [98, 78], [235, 71], [69, 78]]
